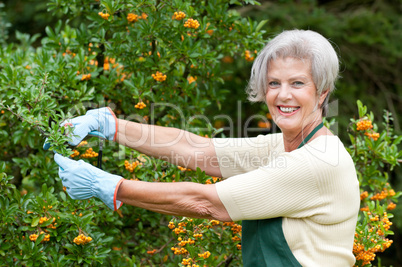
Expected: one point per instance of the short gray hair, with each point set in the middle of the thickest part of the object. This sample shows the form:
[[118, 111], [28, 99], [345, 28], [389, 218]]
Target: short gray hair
[[301, 44]]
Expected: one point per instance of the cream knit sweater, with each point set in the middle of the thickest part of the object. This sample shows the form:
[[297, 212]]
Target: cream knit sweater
[[314, 189]]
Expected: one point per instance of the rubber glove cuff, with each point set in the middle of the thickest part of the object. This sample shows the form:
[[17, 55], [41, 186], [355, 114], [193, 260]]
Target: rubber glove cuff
[[106, 187], [106, 120], [83, 181]]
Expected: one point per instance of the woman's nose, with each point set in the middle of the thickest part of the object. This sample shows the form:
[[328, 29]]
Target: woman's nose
[[284, 92]]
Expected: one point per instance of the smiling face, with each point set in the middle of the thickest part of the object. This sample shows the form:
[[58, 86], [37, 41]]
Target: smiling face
[[292, 95]]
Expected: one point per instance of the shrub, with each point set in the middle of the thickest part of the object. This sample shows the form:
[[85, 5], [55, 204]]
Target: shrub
[[375, 154], [139, 58]]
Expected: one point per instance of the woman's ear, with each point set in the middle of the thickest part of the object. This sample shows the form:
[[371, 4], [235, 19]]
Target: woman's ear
[[322, 97]]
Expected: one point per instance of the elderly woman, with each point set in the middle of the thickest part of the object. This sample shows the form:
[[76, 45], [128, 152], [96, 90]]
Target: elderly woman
[[296, 192]]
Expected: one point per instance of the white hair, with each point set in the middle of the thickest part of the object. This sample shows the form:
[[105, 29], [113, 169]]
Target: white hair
[[300, 44]]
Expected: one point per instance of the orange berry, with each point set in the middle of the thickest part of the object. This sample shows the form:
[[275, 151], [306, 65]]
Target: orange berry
[[178, 15], [132, 17], [159, 76], [192, 24]]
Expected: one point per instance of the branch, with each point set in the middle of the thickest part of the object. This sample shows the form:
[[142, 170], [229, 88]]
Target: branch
[[226, 262], [36, 126]]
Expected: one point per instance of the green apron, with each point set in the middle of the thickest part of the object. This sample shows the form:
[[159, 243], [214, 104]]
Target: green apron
[[263, 241]]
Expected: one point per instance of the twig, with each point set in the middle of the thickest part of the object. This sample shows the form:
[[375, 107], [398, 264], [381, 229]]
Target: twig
[[161, 248], [22, 119], [226, 262]]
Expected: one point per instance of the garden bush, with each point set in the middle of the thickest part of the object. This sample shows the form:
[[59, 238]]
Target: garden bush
[[157, 62]]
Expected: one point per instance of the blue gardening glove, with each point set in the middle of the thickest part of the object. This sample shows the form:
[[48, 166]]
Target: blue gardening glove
[[83, 181], [102, 120]]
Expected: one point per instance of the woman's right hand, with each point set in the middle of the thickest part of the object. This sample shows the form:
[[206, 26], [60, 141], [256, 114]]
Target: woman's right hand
[[102, 120]]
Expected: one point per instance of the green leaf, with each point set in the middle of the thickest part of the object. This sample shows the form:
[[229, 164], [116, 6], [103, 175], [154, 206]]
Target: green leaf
[[62, 195], [361, 108], [260, 25], [194, 55], [397, 140], [35, 222]]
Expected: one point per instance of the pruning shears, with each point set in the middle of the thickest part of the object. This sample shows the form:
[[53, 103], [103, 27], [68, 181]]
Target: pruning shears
[[102, 138]]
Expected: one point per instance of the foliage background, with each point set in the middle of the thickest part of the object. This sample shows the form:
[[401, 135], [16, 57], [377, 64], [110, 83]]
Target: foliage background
[[367, 35]]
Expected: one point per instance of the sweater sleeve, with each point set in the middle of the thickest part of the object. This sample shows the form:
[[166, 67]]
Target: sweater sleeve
[[240, 155], [284, 188]]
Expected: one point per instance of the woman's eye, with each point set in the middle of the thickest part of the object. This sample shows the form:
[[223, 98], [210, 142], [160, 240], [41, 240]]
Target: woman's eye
[[298, 83], [272, 84]]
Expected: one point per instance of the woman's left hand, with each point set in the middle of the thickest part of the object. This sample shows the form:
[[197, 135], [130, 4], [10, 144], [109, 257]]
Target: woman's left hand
[[83, 181]]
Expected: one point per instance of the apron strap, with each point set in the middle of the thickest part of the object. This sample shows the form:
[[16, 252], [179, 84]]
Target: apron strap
[[305, 140]]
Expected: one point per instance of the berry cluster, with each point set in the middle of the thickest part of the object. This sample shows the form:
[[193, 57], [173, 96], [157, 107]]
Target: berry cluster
[[107, 61], [247, 55], [183, 243], [171, 225], [366, 209], [151, 252], [215, 222], [82, 239], [179, 251], [234, 227], [363, 125], [236, 238], [191, 79], [159, 76], [33, 237], [197, 231], [386, 222], [68, 52], [197, 235], [180, 229], [131, 166], [75, 153], [183, 168], [211, 181], [104, 15], [391, 206], [43, 219], [83, 143], [383, 194], [373, 135], [89, 153], [179, 15], [192, 24], [366, 256], [205, 255], [187, 262], [86, 77], [140, 105], [46, 238], [363, 195], [133, 17], [52, 226]]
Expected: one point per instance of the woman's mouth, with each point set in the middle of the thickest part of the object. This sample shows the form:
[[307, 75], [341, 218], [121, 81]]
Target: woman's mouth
[[287, 110]]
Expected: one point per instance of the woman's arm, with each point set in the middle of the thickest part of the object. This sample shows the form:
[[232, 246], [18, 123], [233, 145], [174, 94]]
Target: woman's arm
[[180, 199], [170, 144]]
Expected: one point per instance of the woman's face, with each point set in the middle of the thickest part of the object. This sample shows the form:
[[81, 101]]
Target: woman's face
[[292, 95]]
